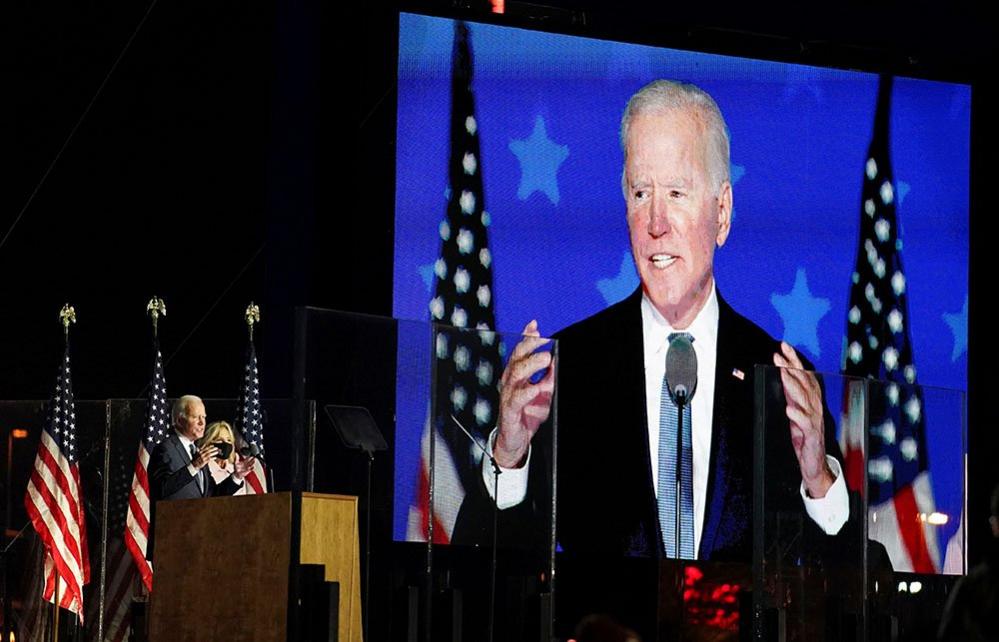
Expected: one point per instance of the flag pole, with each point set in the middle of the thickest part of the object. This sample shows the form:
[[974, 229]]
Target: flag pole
[[156, 308], [55, 609], [67, 317], [252, 316]]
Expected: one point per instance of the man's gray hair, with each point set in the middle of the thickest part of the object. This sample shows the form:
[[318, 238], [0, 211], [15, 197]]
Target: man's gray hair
[[666, 95], [179, 408]]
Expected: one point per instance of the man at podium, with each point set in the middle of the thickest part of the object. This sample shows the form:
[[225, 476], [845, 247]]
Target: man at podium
[[178, 467]]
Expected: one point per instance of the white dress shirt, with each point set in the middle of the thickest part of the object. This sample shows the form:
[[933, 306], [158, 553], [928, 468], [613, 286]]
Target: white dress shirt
[[187, 443], [829, 512]]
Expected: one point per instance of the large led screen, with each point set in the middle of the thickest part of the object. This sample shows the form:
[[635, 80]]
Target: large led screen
[[550, 241]]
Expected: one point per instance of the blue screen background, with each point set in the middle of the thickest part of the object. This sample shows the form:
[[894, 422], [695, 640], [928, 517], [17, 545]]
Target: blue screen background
[[548, 112]]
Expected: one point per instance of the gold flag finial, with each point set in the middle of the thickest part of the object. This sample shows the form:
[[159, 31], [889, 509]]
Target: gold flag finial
[[67, 316], [156, 308], [252, 316]]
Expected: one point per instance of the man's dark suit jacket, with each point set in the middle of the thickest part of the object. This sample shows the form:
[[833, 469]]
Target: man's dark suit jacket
[[170, 479], [606, 502]]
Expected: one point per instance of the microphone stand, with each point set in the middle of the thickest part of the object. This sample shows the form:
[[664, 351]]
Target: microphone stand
[[681, 401], [492, 570]]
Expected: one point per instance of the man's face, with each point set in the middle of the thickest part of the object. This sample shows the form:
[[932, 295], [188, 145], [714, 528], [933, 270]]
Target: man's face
[[192, 423], [676, 216]]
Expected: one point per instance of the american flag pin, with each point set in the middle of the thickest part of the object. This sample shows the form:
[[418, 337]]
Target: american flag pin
[[738, 374]]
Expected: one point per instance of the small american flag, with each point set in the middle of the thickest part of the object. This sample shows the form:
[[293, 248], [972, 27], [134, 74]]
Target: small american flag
[[250, 420], [467, 358], [54, 500], [895, 473], [155, 430]]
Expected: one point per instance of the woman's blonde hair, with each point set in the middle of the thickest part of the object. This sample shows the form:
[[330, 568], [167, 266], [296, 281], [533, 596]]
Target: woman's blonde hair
[[214, 433]]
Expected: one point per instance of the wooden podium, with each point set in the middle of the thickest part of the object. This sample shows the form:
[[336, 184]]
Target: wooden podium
[[229, 568]]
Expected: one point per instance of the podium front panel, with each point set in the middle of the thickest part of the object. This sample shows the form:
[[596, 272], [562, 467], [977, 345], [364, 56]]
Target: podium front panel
[[221, 568], [899, 462]]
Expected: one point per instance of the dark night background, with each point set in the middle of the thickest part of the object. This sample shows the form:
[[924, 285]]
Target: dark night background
[[244, 150]]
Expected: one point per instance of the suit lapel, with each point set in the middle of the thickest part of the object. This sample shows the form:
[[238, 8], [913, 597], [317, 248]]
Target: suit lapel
[[178, 446], [633, 384], [729, 387], [626, 385], [185, 457]]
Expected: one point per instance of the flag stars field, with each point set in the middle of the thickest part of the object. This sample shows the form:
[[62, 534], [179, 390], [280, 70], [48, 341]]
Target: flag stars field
[[895, 321], [437, 307], [886, 432], [872, 169], [890, 358], [466, 241], [887, 193], [483, 295], [461, 358], [898, 283], [484, 373], [467, 202], [461, 280], [458, 398], [882, 229], [469, 163], [912, 409], [482, 412]]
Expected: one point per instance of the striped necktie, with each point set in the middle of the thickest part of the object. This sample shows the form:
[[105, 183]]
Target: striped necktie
[[666, 500]]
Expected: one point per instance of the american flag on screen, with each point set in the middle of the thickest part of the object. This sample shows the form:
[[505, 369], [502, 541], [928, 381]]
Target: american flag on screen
[[895, 474], [467, 354], [155, 430], [250, 420], [54, 500]]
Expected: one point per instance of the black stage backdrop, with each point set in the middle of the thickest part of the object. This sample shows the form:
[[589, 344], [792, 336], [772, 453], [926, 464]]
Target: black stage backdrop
[[244, 150]]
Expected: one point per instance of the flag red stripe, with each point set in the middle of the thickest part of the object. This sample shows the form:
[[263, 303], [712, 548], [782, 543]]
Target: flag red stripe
[[49, 580], [853, 461], [138, 517], [145, 568], [139, 513], [82, 521], [141, 474], [42, 502], [60, 474], [54, 548], [423, 492], [911, 530], [251, 479], [55, 552]]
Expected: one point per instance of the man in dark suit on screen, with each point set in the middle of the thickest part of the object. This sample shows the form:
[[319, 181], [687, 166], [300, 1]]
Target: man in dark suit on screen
[[616, 439], [178, 466]]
